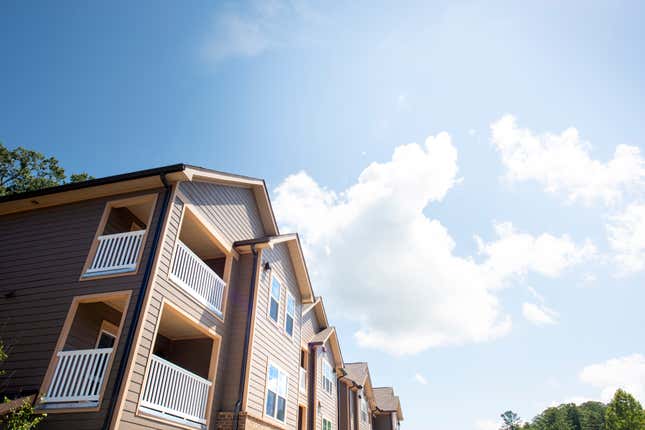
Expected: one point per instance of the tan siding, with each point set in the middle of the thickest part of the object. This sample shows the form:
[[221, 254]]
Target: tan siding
[[270, 343], [41, 258], [232, 209], [310, 326], [328, 402], [231, 330]]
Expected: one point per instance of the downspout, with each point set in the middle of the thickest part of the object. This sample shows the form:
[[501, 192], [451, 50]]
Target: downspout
[[247, 338], [139, 305]]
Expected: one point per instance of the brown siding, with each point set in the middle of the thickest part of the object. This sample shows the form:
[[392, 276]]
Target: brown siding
[[87, 325], [270, 343], [41, 258], [384, 422], [343, 407]]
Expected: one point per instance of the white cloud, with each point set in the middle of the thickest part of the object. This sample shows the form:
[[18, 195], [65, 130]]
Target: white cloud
[[518, 253], [562, 163], [485, 424], [539, 314], [626, 372], [420, 379], [626, 236], [375, 255]]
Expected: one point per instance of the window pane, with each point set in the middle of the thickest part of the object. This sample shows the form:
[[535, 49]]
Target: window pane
[[282, 406], [274, 310], [273, 379], [275, 288], [289, 325], [291, 305], [270, 404], [282, 384]]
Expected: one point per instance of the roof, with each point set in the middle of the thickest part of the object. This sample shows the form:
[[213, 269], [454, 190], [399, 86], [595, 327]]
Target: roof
[[386, 401], [318, 307], [329, 335], [357, 372], [139, 180]]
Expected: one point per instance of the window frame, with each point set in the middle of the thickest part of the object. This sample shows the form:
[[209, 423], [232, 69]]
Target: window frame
[[279, 301], [293, 316], [322, 423], [108, 328], [265, 413], [325, 362], [364, 408]]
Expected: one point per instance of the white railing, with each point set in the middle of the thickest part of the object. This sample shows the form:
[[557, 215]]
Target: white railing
[[190, 272], [78, 376], [172, 390], [303, 380], [117, 252]]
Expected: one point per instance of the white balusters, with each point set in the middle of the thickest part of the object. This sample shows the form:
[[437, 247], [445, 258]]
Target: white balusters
[[117, 252], [78, 376], [174, 391], [191, 273]]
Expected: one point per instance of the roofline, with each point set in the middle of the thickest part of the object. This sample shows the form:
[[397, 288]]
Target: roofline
[[95, 182]]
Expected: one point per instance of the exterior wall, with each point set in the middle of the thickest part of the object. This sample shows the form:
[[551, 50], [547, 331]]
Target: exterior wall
[[41, 258], [362, 425], [345, 396], [384, 422], [87, 325], [270, 342], [232, 211], [328, 402], [310, 327]]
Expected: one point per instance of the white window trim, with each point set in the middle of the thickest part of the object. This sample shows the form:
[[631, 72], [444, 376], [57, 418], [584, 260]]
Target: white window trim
[[293, 317], [108, 328], [364, 404], [326, 362], [266, 395], [322, 423], [277, 323]]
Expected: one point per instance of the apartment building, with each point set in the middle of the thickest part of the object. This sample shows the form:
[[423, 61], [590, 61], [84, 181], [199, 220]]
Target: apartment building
[[165, 298], [388, 414], [356, 402]]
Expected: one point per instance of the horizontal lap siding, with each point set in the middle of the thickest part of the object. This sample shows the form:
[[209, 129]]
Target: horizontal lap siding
[[270, 343], [310, 326], [41, 259], [328, 402], [232, 211]]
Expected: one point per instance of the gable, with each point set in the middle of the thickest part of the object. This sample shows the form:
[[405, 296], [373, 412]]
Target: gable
[[233, 210]]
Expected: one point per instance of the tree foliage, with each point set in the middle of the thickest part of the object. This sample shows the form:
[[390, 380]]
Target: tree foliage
[[26, 170], [624, 412], [511, 421]]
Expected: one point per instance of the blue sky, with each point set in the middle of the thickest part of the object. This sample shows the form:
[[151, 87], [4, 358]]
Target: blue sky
[[506, 261]]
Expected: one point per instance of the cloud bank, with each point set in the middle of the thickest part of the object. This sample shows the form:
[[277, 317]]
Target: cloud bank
[[381, 260]]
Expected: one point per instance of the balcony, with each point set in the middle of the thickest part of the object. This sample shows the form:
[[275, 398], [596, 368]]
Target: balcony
[[173, 391], [78, 376], [303, 381], [116, 253], [180, 371], [80, 368], [191, 273]]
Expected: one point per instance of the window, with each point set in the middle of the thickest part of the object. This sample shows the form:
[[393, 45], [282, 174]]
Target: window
[[364, 408], [290, 315], [276, 403], [326, 424], [274, 302], [327, 377]]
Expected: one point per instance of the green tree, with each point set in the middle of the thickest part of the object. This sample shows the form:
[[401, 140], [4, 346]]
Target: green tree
[[511, 421], [624, 412], [592, 415], [26, 170], [554, 418]]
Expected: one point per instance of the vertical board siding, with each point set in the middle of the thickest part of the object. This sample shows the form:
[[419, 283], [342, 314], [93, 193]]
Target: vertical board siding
[[270, 343], [41, 258], [232, 209]]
